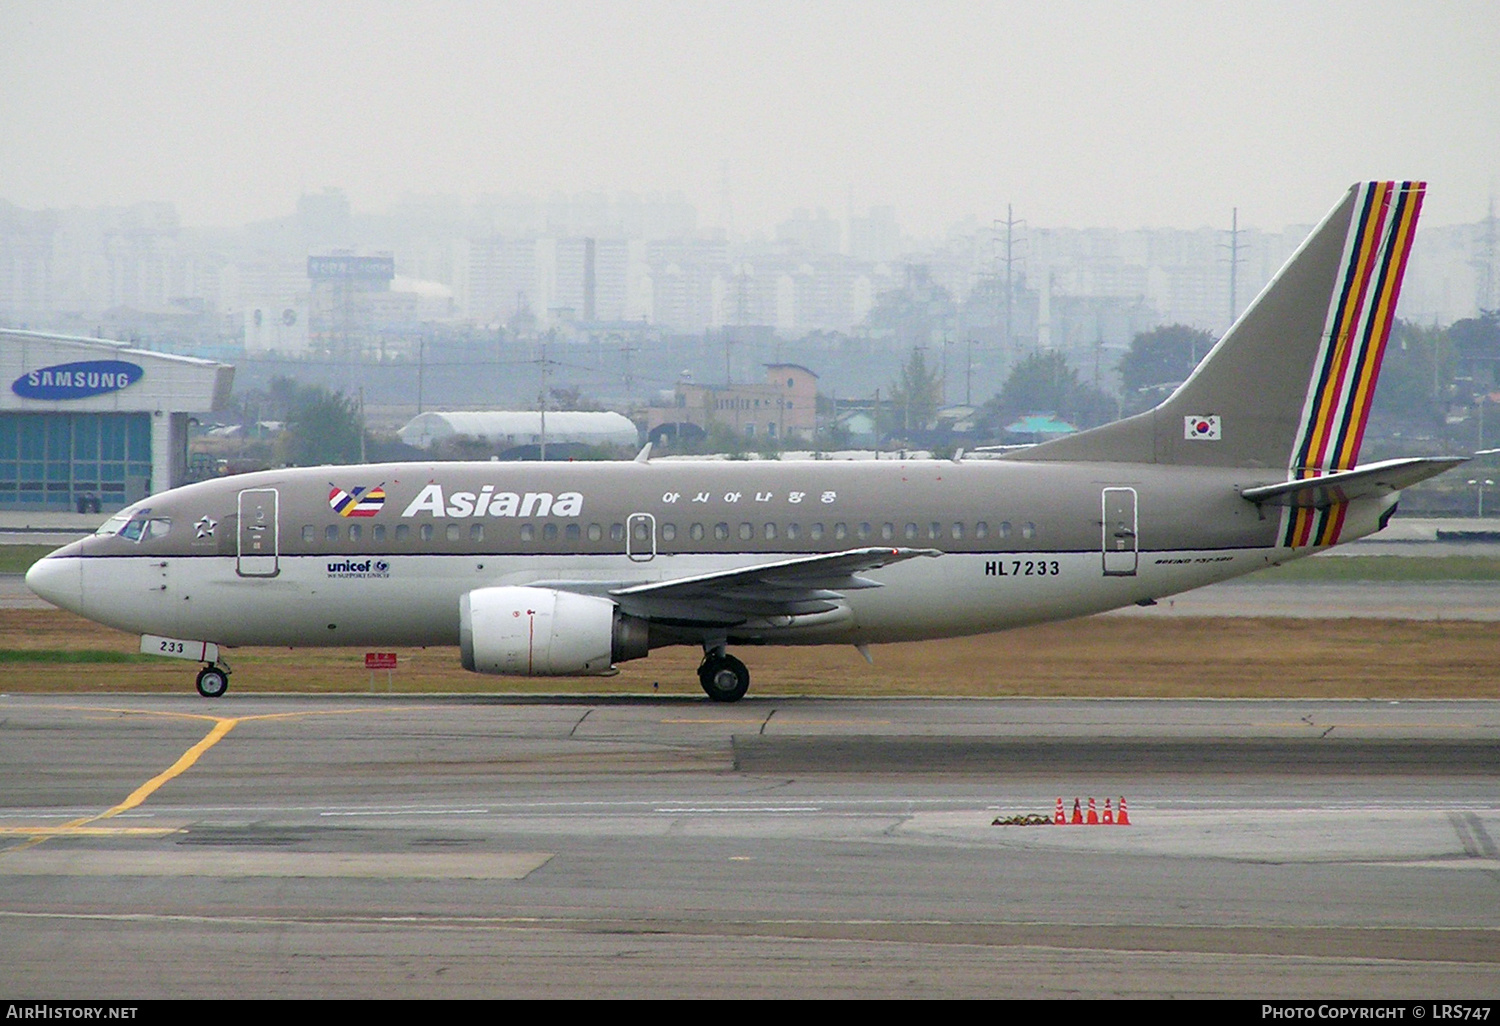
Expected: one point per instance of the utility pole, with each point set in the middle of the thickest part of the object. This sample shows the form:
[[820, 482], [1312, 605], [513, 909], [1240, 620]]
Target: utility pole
[[1233, 245], [969, 376], [421, 370], [1010, 258], [546, 366]]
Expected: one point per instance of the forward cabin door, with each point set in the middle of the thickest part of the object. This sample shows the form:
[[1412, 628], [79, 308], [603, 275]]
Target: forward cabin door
[[1121, 551], [259, 541], [640, 537]]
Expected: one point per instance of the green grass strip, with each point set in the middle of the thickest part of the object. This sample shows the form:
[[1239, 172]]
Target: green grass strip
[[61, 655], [17, 559]]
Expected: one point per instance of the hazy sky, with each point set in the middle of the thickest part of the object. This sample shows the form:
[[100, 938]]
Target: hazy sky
[[1126, 114]]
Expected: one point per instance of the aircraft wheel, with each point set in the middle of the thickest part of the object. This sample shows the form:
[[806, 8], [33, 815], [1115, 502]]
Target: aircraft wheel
[[212, 682], [724, 678]]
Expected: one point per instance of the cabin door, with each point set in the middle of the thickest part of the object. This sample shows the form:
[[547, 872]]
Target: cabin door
[[1121, 552], [640, 537], [259, 542]]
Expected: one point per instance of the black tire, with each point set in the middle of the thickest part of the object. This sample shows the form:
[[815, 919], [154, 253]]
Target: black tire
[[212, 682], [724, 678]]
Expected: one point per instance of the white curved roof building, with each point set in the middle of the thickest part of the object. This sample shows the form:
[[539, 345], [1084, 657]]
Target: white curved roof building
[[521, 427]]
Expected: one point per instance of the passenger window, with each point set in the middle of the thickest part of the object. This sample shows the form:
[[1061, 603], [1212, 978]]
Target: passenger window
[[793, 532], [1028, 530], [747, 531], [595, 532], [309, 533], [982, 529], [864, 531], [668, 532], [452, 532], [1005, 528], [721, 531], [528, 532], [840, 531], [958, 530], [331, 532], [816, 532], [572, 532], [426, 532], [770, 532], [887, 531], [911, 532], [476, 532], [617, 532], [696, 532], [549, 532], [377, 533], [641, 531], [934, 530], [355, 532], [403, 532]]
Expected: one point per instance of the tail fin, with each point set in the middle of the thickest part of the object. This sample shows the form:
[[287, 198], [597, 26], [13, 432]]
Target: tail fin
[[1289, 385]]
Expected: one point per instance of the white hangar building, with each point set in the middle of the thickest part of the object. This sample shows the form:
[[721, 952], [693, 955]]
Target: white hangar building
[[521, 427], [88, 425]]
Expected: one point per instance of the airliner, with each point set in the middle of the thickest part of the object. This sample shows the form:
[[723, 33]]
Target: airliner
[[568, 569]]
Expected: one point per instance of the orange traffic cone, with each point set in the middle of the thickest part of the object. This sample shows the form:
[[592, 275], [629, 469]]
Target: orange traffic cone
[[1077, 812], [1124, 819], [1058, 817], [1109, 814], [1093, 813]]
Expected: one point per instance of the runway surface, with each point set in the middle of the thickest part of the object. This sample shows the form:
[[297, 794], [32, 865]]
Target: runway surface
[[466, 847]]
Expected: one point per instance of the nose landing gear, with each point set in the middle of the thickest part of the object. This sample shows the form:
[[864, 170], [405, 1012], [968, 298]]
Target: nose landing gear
[[213, 681]]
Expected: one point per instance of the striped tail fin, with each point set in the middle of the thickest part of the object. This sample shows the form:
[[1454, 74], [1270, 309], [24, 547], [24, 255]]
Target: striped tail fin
[[1353, 342], [1288, 387]]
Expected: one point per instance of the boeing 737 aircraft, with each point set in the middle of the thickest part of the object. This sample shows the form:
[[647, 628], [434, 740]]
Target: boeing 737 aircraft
[[564, 569]]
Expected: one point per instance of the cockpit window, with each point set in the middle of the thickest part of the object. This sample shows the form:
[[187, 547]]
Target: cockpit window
[[138, 525], [115, 524]]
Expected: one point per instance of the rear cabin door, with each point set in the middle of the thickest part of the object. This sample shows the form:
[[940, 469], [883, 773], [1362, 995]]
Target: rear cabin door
[[640, 537], [1121, 550], [259, 542]]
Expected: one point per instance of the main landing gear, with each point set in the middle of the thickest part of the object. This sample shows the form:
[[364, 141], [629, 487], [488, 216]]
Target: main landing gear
[[213, 681], [724, 678]]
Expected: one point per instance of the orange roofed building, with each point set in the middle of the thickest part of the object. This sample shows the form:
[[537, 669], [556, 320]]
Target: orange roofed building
[[784, 406]]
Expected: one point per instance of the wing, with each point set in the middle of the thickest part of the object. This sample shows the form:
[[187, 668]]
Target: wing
[[1344, 486], [805, 590]]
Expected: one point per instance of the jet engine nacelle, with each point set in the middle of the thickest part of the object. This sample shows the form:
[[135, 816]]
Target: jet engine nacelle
[[539, 632]]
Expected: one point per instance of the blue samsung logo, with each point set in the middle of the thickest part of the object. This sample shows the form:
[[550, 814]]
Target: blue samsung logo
[[77, 380]]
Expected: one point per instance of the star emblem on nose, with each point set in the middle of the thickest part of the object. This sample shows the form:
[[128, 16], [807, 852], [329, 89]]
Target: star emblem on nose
[[205, 527]]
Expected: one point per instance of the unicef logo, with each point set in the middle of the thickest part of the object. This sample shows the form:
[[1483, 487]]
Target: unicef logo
[[381, 566]]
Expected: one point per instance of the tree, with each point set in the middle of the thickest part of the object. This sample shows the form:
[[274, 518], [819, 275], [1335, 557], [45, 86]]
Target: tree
[[321, 427], [916, 397], [1044, 383], [1159, 360]]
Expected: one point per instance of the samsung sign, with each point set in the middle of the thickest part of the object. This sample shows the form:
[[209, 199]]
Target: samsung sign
[[77, 380]]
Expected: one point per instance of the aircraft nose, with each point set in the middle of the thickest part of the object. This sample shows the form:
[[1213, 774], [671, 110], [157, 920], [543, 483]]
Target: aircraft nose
[[59, 580]]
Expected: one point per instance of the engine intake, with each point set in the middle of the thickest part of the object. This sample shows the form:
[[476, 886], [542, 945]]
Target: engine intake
[[540, 632]]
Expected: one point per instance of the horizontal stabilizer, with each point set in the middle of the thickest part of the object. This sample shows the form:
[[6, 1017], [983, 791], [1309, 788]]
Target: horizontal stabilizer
[[1346, 485]]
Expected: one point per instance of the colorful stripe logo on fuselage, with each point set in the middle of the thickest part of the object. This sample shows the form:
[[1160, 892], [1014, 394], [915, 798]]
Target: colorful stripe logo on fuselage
[[357, 502]]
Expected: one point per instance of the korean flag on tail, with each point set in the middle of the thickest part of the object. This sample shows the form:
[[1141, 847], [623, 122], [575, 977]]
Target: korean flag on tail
[[1202, 429]]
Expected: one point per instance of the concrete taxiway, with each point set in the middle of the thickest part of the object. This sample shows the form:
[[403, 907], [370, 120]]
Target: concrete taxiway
[[422, 847]]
